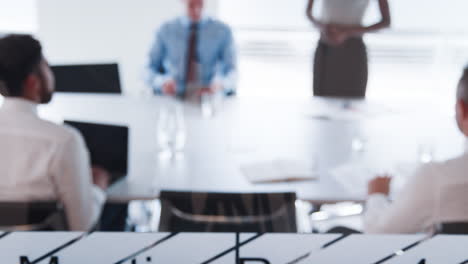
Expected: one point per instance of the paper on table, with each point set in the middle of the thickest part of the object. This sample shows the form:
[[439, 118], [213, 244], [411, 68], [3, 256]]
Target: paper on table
[[279, 171], [336, 116], [354, 176], [349, 113]]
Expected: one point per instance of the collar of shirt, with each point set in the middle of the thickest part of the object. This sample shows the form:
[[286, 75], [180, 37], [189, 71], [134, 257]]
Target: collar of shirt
[[185, 20], [19, 105]]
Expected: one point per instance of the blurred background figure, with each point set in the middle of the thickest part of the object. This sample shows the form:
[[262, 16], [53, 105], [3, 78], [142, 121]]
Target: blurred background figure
[[193, 55], [340, 64]]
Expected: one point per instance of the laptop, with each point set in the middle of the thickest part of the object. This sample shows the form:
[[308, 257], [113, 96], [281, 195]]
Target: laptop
[[87, 78], [107, 145]]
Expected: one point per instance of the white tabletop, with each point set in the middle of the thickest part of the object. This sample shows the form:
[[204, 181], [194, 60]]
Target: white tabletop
[[441, 249], [253, 130], [363, 248], [32, 245], [287, 247], [125, 248], [190, 248], [106, 247]]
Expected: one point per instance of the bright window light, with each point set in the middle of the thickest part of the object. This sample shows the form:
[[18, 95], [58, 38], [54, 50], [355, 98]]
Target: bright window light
[[420, 57], [18, 16]]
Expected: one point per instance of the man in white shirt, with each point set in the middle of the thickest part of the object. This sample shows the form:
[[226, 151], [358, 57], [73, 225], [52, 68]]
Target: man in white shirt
[[39, 160], [436, 194]]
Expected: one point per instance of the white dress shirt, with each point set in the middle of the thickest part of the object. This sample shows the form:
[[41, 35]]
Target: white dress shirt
[[42, 161], [345, 12], [437, 193]]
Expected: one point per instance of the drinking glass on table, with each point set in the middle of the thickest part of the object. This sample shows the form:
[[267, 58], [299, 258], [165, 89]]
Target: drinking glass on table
[[171, 126], [207, 99], [425, 153], [207, 105], [358, 144], [359, 138]]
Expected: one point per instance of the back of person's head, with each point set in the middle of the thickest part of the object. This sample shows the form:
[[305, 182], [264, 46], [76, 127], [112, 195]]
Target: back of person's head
[[463, 86], [20, 55], [462, 102]]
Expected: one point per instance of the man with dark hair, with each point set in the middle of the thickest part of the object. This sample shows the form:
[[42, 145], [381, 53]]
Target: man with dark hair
[[462, 92], [38, 159], [436, 194]]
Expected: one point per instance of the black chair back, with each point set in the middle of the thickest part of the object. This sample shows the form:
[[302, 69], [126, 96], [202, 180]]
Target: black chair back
[[32, 216], [228, 212], [454, 228]]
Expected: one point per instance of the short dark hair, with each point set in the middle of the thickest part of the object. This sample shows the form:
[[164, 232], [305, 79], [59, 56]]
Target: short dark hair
[[465, 74], [462, 92], [20, 55]]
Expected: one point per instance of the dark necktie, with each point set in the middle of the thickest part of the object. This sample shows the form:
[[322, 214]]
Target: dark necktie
[[191, 73]]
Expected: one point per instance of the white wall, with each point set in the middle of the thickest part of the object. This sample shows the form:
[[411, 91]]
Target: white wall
[[18, 16], [87, 31], [412, 15]]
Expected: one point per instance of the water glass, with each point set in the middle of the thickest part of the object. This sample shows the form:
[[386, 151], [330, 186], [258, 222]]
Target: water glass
[[171, 126]]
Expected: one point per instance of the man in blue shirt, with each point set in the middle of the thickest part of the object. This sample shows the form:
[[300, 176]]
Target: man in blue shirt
[[193, 55]]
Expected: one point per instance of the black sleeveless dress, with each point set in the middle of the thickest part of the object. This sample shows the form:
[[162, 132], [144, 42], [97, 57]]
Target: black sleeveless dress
[[341, 71]]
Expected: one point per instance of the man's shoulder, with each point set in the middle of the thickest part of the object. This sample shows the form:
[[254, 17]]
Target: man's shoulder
[[171, 24], [445, 170], [57, 132], [218, 24], [454, 166]]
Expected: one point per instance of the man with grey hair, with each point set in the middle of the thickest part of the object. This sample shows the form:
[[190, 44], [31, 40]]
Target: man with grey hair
[[435, 195]]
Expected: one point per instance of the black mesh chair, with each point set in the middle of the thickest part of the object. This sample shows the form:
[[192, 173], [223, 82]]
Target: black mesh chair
[[32, 216], [454, 228], [227, 212], [453, 202]]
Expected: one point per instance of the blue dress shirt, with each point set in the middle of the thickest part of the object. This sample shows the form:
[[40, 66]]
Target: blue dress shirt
[[215, 52]]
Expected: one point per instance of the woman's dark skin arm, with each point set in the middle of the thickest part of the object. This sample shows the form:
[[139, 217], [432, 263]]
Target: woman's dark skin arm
[[310, 16], [383, 23], [325, 29], [336, 34]]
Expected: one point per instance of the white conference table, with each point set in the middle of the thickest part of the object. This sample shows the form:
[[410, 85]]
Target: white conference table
[[440, 249], [251, 130], [32, 245], [226, 248], [364, 248]]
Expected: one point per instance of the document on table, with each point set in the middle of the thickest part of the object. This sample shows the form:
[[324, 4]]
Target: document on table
[[354, 176], [279, 171], [348, 112], [336, 116]]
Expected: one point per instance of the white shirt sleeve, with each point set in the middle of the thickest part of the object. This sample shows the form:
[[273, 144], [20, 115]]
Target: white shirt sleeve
[[411, 212], [71, 172]]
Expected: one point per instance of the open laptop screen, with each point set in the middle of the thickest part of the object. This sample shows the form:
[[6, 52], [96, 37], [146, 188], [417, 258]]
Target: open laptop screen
[[91, 78], [108, 146]]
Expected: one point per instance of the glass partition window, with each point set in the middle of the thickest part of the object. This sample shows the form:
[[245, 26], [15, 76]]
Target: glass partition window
[[420, 56]]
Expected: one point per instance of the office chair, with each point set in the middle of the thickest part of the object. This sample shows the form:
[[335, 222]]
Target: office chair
[[453, 228], [453, 202], [227, 212], [32, 216]]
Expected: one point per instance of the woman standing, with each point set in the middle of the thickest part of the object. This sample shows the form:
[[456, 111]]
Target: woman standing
[[340, 64]]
